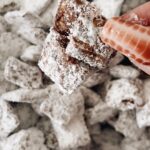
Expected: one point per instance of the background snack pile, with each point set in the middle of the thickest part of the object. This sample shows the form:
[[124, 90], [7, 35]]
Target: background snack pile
[[107, 107]]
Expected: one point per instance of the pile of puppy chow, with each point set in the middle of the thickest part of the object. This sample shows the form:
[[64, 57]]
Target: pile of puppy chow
[[61, 87]]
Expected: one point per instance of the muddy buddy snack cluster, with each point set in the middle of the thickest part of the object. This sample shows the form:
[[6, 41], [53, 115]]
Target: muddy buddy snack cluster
[[73, 48], [61, 87]]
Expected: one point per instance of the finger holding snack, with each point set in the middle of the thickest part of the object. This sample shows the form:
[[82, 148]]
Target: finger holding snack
[[130, 35]]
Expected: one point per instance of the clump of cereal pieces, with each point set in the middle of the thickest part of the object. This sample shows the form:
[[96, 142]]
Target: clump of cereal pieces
[[124, 94], [22, 74], [9, 120], [30, 139], [67, 72], [122, 71], [28, 25], [67, 59]]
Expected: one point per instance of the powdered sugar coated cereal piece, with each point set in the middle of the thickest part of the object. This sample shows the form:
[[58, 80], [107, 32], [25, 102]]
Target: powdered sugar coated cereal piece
[[146, 90], [10, 45], [9, 120], [22, 74], [36, 7], [65, 71], [66, 114], [31, 53], [122, 71], [67, 13], [29, 26], [30, 139], [99, 113], [63, 108], [97, 56], [25, 95], [50, 13], [142, 113], [72, 136], [127, 125], [5, 86], [125, 94], [142, 116], [113, 5]]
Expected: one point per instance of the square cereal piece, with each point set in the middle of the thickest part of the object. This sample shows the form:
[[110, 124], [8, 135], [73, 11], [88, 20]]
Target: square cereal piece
[[9, 120], [28, 25], [67, 13], [127, 125], [62, 108], [22, 74], [125, 94], [64, 70], [97, 55], [27, 139]]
